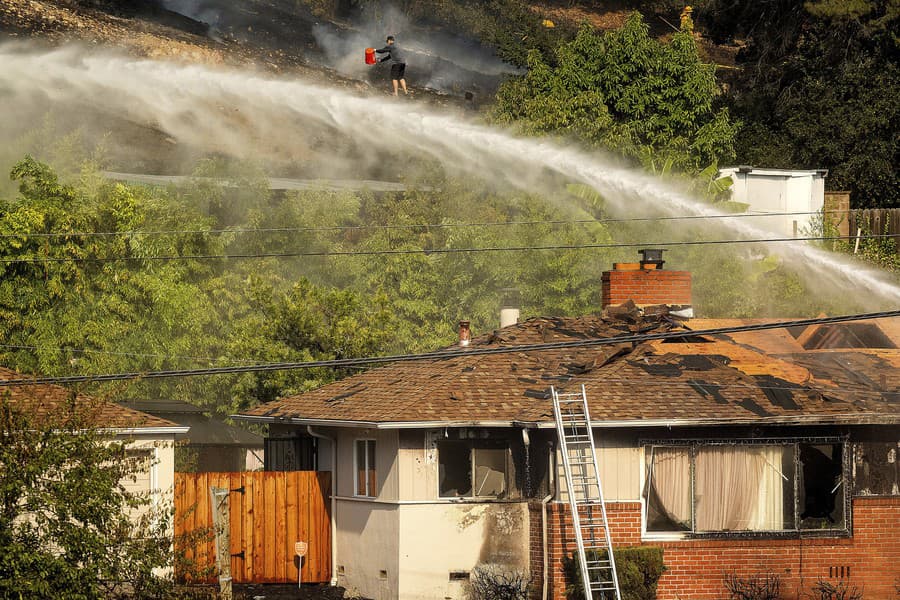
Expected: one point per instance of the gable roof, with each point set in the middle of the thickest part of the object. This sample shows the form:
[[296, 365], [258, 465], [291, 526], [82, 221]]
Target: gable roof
[[699, 382], [41, 401]]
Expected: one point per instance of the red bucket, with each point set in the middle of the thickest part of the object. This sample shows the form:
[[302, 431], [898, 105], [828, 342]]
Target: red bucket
[[370, 56]]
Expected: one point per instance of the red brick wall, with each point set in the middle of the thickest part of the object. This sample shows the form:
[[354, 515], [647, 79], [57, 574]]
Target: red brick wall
[[696, 567], [646, 286]]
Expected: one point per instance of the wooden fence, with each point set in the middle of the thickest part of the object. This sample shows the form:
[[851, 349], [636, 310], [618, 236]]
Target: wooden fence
[[883, 221], [269, 512]]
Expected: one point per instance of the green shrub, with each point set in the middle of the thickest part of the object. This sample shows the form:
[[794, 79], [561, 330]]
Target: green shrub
[[639, 569]]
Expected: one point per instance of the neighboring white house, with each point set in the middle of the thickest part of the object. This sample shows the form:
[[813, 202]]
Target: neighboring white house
[[148, 436], [801, 192]]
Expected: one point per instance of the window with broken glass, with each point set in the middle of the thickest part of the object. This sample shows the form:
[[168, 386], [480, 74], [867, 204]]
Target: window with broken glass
[[719, 488], [472, 469]]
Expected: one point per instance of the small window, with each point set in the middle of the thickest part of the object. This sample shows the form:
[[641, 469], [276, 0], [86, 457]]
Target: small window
[[469, 470], [366, 479], [140, 464]]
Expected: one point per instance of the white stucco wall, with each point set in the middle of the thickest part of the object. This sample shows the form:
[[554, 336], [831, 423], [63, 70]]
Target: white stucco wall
[[436, 539], [367, 544]]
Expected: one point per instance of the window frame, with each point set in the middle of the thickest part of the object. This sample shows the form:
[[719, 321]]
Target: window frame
[[367, 493], [795, 442], [472, 446]]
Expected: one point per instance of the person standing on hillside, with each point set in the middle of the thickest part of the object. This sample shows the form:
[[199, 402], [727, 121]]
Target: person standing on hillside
[[398, 64]]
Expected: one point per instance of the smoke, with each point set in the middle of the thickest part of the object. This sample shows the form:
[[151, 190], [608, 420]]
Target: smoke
[[435, 60], [199, 10], [247, 114]]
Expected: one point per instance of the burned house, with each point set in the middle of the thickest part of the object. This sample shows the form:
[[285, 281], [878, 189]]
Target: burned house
[[755, 452]]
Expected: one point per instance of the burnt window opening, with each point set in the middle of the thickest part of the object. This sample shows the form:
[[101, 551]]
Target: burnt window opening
[[472, 469], [454, 469], [821, 488], [740, 488]]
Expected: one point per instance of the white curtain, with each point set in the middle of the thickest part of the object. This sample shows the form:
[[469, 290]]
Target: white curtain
[[770, 505], [669, 489], [739, 488]]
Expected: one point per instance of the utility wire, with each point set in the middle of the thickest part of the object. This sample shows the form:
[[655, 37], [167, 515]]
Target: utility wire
[[131, 354], [159, 232], [447, 353], [428, 251], [692, 384]]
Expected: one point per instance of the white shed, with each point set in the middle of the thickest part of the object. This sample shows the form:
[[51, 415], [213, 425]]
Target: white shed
[[793, 195]]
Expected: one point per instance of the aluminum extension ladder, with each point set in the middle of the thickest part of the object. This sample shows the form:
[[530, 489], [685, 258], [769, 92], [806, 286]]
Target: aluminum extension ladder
[[585, 495]]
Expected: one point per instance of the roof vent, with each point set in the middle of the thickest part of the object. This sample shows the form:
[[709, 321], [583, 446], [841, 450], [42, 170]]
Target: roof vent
[[465, 334], [651, 258]]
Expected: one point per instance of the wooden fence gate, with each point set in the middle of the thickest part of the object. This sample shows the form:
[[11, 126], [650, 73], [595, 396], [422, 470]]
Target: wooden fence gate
[[269, 511]]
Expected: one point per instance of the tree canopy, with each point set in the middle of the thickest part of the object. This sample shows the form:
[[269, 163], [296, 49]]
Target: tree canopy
[[626, 92], [818, 87]]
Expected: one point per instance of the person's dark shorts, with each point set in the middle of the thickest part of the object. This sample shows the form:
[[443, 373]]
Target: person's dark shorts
[[397, 70]]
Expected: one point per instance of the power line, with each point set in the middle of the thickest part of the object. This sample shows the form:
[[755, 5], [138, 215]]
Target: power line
[[691, 384], [160, 232], [445, 354], [428, 251], [130, 354]]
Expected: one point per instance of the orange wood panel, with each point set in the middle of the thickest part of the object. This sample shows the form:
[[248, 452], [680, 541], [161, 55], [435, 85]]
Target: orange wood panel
[[292, 530], [280, 546], [276, 510], [269, 529], [259, 540], [236, 504]]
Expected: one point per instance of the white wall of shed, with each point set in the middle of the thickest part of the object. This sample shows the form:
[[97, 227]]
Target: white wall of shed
[[779, 191]]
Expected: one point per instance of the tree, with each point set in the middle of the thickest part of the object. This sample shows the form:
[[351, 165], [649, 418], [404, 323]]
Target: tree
[[70, 304], [626, 92], [69, 528], [819, 87]]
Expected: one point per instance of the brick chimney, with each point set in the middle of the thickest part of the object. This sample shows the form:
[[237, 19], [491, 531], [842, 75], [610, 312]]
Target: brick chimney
[[465, 334], [646, 283]]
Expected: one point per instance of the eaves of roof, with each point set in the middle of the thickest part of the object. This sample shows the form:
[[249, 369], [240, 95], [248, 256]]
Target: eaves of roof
[[849, 419]]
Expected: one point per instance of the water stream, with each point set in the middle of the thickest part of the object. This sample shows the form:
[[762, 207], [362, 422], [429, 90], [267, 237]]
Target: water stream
[[245, 112]]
